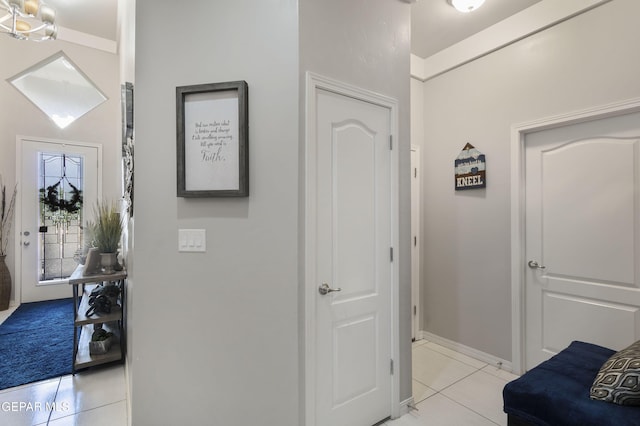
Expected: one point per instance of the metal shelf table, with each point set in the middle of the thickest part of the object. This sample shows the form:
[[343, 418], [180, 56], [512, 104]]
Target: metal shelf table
[[83, 326]]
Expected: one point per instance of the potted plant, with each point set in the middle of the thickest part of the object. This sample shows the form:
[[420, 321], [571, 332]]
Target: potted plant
[[106, 231]]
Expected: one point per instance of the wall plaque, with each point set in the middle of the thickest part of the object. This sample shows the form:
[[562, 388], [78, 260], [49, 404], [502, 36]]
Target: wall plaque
[[470, 169]]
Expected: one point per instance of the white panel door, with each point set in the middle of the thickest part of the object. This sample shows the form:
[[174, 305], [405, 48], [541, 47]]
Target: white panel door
[[582, 236], [42, 253], [353, 325]]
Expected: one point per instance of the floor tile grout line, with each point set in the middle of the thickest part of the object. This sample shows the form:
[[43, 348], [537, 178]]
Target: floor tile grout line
[[55, 397], [455, 359], [473, 372], [458, 402], [436, 392], [90, 409], [476, 370], [469, 408], [457, 381]]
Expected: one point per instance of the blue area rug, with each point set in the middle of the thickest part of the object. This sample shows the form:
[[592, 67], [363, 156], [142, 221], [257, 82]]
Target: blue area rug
[[36, 342]]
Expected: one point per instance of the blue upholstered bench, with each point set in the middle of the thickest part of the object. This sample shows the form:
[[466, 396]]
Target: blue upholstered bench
[[556, 392]]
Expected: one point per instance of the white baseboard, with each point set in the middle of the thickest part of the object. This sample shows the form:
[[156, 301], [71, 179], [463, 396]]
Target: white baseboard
[[405, 407], [466, 350]]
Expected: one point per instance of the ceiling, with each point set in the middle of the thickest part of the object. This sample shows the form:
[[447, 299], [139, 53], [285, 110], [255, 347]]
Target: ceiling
[[95, 17], [435, 25]]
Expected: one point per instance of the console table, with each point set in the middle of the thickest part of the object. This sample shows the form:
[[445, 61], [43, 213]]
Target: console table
[[84, 325]]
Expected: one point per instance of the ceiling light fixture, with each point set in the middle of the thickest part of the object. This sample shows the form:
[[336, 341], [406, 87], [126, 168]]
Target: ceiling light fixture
[[28, 20], [466, 6]]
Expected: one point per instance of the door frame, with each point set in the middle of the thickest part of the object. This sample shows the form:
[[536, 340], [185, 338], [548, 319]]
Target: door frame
[[518, 213], [315, 82], [20, 139], [416, 244]]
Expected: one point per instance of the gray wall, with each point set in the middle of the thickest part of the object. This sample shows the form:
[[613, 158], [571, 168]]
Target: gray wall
[[367, 43], [590, 60], [216, 333]]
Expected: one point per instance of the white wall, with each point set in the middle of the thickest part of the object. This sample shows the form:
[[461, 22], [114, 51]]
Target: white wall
[[589, 60], [18, 116], [367, 43], [216, 333]]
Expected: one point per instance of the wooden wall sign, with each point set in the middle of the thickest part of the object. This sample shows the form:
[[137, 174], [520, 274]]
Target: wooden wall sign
[[470, 169]]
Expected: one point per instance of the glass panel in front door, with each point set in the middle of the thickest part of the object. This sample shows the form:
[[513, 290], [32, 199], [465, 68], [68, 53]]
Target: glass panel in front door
[[61, 236]]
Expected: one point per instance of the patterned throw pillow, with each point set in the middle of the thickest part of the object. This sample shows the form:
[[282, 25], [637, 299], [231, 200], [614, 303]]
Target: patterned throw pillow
[[618, 380]]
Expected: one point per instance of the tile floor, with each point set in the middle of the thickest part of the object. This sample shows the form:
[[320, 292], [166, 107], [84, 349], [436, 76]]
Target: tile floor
[[450, 388]]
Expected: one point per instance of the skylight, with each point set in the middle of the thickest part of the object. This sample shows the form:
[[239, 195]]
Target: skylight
[[59, 88]]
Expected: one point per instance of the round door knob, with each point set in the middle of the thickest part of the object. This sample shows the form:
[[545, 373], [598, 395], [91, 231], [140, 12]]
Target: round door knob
[[26, 243]]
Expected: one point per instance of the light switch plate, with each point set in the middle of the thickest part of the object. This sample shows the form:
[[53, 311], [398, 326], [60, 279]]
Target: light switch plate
[[192, 240]]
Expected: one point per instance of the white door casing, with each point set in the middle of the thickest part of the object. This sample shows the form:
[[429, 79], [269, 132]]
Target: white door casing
[[574, 208], [415, 243], [28, 288], [350, 232]]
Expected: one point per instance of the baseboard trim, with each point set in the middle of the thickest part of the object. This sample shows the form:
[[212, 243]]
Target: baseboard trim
[[405, 407], [466, 350]]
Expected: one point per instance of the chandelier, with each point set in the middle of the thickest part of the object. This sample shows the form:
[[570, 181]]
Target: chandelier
[[28, 20]]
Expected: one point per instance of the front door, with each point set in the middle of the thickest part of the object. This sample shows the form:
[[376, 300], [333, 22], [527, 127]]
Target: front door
[[354, 261], [58, 189], [582, 236]]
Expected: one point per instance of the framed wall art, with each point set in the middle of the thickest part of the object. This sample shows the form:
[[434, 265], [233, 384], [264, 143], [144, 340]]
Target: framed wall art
[[470, 169], [127, 144], [212, 140]]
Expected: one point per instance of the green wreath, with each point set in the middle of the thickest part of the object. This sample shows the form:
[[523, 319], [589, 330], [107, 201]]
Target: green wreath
[[51, 198]]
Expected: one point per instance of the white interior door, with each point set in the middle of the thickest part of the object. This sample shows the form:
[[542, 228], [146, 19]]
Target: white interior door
[[354, 239], [415, 246], [582, 236], [48, 238]]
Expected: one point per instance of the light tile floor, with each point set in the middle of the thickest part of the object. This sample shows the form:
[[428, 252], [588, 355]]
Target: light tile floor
[[450, 388], [95, 397]]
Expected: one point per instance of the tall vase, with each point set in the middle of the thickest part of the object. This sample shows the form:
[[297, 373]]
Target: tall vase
[[5, 285]]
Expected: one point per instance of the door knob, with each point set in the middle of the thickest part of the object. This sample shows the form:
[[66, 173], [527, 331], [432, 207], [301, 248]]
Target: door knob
[[535, 265], [26, 243], [325, 289]]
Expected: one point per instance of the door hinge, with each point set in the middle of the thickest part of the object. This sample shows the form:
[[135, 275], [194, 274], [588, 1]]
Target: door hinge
[[415, 173], [390, 141], [415, 241], [391, 253], [391, 367], [415, 310]]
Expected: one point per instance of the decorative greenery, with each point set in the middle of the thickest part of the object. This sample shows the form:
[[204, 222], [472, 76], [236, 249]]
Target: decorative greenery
[[100, 335], [107, 228], [54, 202], [6, 216]]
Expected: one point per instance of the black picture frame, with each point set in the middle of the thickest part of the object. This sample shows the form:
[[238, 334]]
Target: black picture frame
[[213, 140], [127, 144]]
